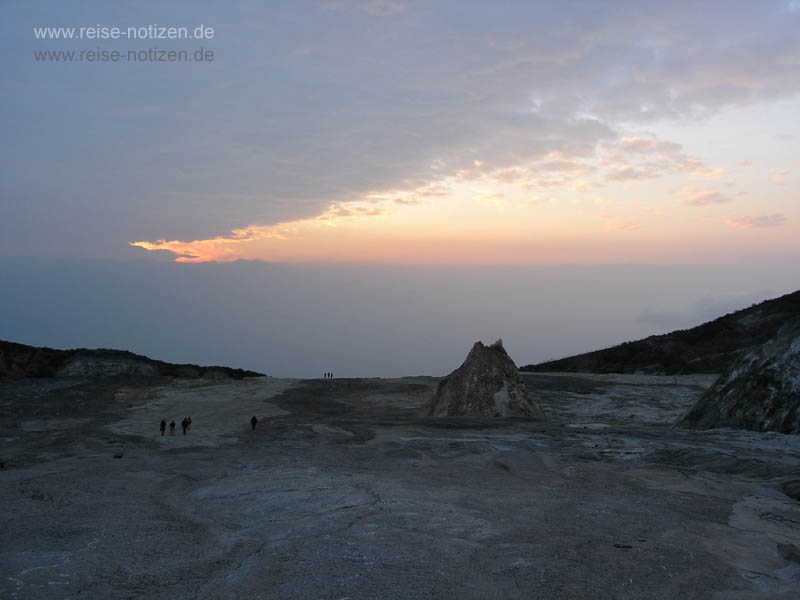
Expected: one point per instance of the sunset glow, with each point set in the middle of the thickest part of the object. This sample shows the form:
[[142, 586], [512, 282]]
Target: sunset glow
[[635, 196], [365, 131]]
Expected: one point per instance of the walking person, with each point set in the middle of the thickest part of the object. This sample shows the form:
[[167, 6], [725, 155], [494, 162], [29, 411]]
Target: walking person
[[172, 427], [163, 426], [253, 422]]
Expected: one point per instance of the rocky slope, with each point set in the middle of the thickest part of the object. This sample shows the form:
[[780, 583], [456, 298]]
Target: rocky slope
[[760, 391], [707, 348], [19, 361], [487, 384]]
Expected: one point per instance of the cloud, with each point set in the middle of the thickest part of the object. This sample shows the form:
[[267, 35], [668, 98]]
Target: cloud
[[514, 175], [379, 8], [649, 146], [746, 164], [771, 220], [702, 171], [424, 194], [539, 200], [491, 198], [624, 225], [697, 198], [220, 248], [340, 211], [638, 158], [661, 321], [704, 309], [630, 173], [604, 202], [375, 8], [778, 175], [323, 106]]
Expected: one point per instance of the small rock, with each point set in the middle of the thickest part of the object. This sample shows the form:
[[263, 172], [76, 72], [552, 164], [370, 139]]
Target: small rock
[[792, 489], [789, 552]]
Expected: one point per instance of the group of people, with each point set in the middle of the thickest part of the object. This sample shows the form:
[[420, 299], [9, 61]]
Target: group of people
[[186, 424], [328, 376]]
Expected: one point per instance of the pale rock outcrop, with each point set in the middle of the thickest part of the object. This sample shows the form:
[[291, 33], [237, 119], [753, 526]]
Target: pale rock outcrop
[[89, 366], [760, 391], [487, 384]]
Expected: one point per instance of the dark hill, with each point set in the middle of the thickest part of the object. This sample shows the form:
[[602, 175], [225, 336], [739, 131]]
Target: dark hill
[[707, 348], [19, 360]]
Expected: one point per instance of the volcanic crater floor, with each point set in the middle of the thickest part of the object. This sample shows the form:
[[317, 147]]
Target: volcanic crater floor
[[344, 491]]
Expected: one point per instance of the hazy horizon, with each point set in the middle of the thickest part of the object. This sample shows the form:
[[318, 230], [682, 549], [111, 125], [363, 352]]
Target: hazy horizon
[[361, 321]]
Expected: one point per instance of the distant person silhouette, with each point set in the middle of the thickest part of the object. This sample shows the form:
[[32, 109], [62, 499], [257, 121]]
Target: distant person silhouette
[[253, 422], [163, 426], [184, 425], [172, 427], [188, 423]]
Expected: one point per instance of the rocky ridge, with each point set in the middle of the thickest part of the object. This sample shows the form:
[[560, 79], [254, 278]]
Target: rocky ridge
[[18, 361]]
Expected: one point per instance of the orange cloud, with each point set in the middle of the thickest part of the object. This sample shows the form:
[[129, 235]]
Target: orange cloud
[[490, 198], [778, 175], [220, 248], [649, 146], [629, 173]]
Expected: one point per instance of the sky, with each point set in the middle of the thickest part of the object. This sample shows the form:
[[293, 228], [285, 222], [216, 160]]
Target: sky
[[442, 144]]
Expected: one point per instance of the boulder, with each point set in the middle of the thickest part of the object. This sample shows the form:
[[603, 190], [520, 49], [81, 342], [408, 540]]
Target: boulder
[[487, 384], [760, 391]]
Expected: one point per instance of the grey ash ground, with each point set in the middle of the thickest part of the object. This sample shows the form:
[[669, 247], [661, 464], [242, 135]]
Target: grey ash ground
[[345, 491]]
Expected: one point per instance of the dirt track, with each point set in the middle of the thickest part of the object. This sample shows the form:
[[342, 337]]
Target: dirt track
[[344, 492]]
